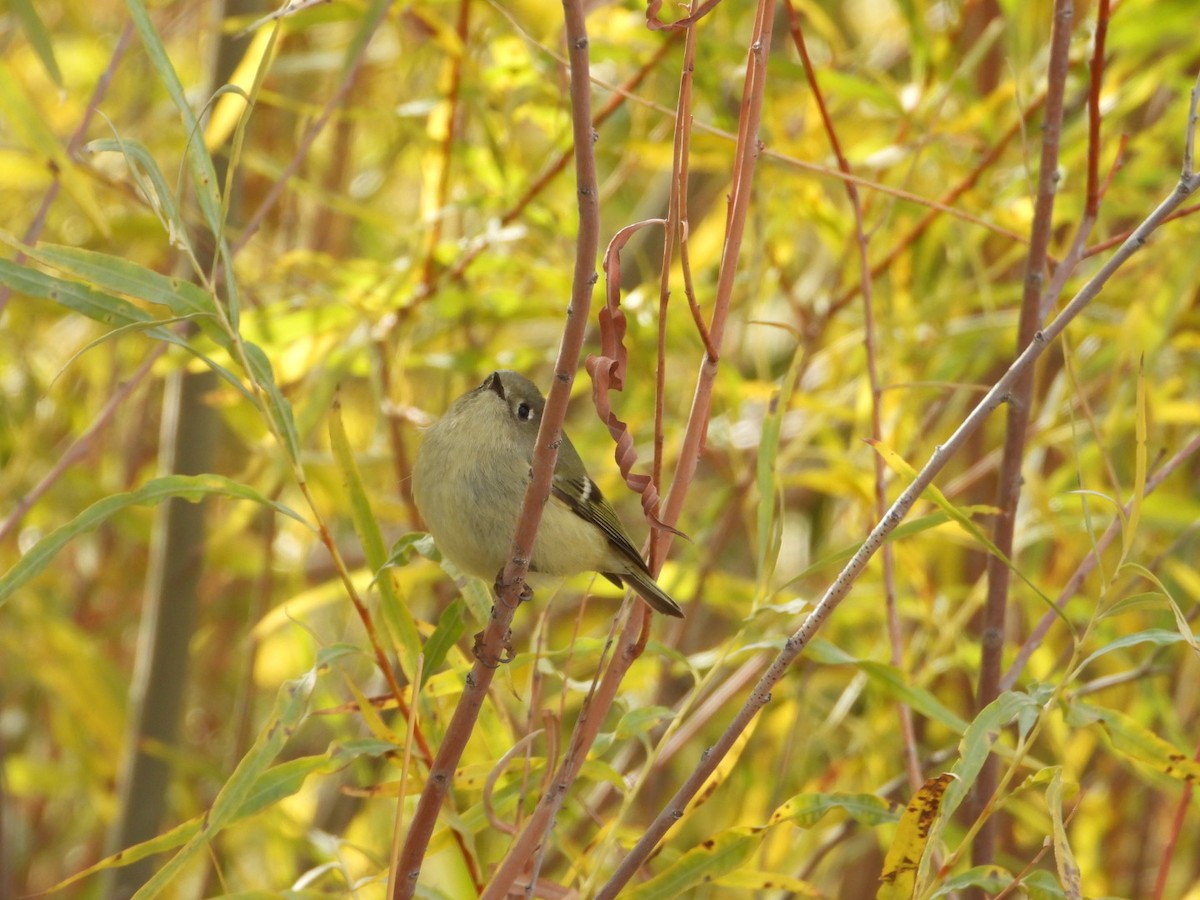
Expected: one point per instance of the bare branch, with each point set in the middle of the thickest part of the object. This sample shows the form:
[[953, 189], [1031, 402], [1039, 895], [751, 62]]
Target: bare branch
[[511, 583]]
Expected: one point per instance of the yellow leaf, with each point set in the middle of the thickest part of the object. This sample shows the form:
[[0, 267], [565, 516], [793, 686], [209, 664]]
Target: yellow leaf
[[899, 878]]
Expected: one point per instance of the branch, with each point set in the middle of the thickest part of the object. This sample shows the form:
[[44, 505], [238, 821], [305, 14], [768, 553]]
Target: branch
[[1008, 490], [511, 583]]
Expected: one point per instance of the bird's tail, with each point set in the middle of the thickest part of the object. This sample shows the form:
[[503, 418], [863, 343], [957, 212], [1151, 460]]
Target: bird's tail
[[648, 590]]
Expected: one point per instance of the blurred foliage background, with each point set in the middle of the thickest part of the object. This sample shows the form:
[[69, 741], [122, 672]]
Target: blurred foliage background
[[399, 222]]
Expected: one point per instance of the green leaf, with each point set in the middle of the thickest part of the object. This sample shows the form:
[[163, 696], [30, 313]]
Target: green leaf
[[200, 164], [185, 487], [770, 494], [244, 788], [729, 850], [38, 37], [806, 810], [1134, 740], [106, 309], [979, 738], [119, 276], [992, 879], [451, 626], [1157, 636], [1068, 869], [277, 406], [1181, 620], [273, 785], [471, 589], [893, 680], [96, 305], [395, 611], [638, 722], [158, 193]]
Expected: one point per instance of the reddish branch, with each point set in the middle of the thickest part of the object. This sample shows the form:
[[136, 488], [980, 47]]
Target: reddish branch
[[511, 584]]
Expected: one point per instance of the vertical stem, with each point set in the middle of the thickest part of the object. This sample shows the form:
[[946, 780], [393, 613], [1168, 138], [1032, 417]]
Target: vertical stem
[[491, 644], [1008, 492]]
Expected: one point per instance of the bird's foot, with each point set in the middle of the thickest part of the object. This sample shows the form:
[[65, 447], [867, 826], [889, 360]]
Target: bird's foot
[[508, 653], [524, 594]]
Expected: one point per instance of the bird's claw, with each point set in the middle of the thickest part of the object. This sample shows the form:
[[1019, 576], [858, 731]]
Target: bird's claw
[[524, 595], [508, 653]]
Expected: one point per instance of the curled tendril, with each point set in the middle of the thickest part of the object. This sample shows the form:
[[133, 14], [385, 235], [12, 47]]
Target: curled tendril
[[607, 372], [654, 23]]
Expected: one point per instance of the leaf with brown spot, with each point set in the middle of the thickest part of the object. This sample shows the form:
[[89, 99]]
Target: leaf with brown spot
[[899, 878]]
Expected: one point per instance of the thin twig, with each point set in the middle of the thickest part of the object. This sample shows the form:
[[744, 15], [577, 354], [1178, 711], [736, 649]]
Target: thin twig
[[1177, 823]]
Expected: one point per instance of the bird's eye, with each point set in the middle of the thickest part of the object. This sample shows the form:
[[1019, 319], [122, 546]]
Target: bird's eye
[[524, 411]]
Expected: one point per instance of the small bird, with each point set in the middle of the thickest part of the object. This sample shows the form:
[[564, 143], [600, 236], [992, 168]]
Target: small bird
[[469, 481]]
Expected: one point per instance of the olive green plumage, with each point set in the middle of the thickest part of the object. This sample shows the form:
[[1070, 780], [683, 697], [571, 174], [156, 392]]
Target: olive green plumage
[[469, 482]]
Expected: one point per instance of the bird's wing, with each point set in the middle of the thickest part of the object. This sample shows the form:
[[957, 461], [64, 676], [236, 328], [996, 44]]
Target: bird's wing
[[583, 497]]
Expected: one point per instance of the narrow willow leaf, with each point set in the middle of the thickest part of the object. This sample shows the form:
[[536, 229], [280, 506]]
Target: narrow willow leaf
[[185, 487], [980, 737], [120, 276], [395, 611], [806, 810], [158, 193], [1064, 859], [639, 721], [106, 309], [907, 529], [278, 408], [1134, 740], [746, 880], [992, 879], [451, 626], [900, 466], [899, 877], [200, 164], [767, 478], [1157, 636], [277, 783], [471, 589], [38, 37], [80, 298], [724, 767], [242, 786], [1181, 620], [371, 718], [706, 862], [893, 681]]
